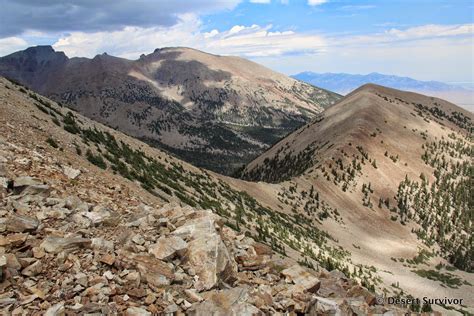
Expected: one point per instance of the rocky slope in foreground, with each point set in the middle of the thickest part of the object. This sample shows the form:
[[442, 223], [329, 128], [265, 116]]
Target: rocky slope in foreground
[[213, 111], [78, 239]]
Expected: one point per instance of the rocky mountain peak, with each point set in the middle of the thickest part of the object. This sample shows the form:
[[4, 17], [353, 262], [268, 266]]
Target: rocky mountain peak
[[40, 54]]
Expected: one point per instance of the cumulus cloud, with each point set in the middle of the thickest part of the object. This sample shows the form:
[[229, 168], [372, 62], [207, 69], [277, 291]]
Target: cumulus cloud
[[247, 41], [11, 44], [415, 51], [18, 16], [260, 1]]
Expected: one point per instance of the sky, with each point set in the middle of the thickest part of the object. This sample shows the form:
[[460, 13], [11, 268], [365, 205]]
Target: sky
[[423, 39]]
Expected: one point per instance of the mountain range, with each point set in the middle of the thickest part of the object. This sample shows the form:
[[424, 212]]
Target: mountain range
[[95, 221], [370, 195], [216, 112], [344, 83]]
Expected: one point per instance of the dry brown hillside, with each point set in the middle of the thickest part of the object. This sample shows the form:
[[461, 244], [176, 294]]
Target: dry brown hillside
[[96, 222], [214, 111], [389, 173]]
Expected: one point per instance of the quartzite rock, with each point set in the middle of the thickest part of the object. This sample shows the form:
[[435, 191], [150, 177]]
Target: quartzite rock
[[209, 257], [227, 302], [156, 272], [71, 173], [137, 311], [166, 247], [56, 310], [20, 223], [58, 244], [302, 278], [33, 269]]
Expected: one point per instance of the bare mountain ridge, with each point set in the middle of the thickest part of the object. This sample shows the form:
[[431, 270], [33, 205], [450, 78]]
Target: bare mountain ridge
[[355, 115], [344, 83], [95, 221], [387, 172], [199, 106]]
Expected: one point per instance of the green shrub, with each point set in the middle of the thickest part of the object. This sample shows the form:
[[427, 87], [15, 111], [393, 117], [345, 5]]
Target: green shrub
[[56, 121], [96, 160], [52, 142]]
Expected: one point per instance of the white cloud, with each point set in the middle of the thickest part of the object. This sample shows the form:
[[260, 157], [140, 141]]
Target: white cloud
[[260, 1], [413, 34], [19, 16], [247, 41], [316, 2], [434, 52], [11, 44], [432, 30]]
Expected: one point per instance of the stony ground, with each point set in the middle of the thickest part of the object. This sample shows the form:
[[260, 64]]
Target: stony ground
[[99, 251]]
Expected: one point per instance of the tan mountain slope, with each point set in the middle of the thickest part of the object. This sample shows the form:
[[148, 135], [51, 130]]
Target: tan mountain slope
[[216, 112], [94, 221], [389, 173]]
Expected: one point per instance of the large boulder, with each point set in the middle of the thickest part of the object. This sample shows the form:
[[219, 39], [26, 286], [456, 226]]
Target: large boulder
[[155, 272], [56, 310], [137, 311], [324, 306], [101, 215], [71, 173], [29, 186], [167, 247], [206, 253], [209, 257], [232, 302], [302, 278], [358, 291], [202, 222], [26, 181]]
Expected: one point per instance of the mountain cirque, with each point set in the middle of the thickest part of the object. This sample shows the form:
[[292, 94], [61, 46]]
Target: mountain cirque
[[215, 112], [78, 238]]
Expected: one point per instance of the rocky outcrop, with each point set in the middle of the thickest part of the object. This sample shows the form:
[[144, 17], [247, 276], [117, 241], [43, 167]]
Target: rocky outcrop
[[60, 255]]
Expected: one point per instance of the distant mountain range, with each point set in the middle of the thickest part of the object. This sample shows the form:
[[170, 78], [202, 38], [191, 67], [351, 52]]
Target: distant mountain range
[[344, 83]]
